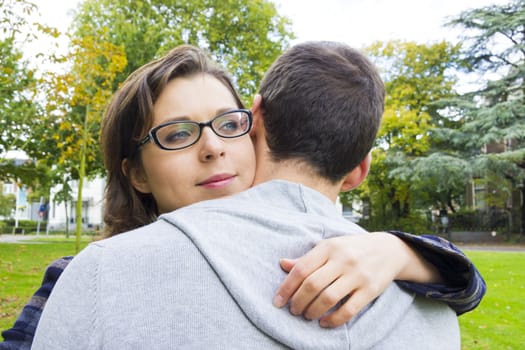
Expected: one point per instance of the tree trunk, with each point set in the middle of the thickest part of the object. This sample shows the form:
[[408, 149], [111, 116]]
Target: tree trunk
[[522, 226], [66, 203], [81, 175]]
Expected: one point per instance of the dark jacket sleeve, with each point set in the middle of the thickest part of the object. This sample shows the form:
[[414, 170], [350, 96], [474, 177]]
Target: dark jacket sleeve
[[464, 287], [20, 336]]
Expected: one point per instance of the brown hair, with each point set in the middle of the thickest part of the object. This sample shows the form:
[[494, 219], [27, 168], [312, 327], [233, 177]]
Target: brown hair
[[128, 118], [322, 105]]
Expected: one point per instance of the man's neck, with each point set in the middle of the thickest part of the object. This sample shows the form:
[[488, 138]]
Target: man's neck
[[290, 170], [294, 171]]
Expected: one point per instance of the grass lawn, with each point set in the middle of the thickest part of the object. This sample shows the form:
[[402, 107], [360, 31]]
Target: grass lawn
[[22, 267], [498, 323]]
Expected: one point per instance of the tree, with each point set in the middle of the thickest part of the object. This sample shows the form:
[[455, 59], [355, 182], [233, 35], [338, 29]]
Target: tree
[[23, 126], [7, 204], [494, 113], [416, 76], [17, 82], [244, 35], [88, 85]]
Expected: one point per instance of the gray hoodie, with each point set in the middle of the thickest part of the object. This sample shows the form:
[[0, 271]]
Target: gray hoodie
[[203, 277]]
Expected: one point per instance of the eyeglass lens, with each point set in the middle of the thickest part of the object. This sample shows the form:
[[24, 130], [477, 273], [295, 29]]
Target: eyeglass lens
[[183, 134]]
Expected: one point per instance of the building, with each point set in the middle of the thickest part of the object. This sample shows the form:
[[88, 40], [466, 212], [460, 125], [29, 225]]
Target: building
[[500, 199], [62, 214]]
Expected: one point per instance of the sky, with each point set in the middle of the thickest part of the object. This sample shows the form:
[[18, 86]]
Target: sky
[[355, 22], [361, 22]]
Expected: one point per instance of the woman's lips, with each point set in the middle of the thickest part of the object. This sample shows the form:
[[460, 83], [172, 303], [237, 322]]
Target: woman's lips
[[217, 181]]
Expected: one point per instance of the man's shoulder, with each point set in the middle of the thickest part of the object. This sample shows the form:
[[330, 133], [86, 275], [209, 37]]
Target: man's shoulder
[[152, 234]]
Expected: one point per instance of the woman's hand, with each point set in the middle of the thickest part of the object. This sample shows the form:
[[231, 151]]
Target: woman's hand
[[358, 266]]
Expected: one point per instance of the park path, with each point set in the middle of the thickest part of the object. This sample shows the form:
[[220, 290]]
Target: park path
[[493, 247], [7, 238]]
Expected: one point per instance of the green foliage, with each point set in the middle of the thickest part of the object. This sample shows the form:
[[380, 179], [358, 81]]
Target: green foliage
[[17, 83], [244, 35], [19, 107], [492, 129], [76, 100], [7, 204], [16, 90], [97, 64], [494, 50], [438, 179], [28, 226], [432, 141], [402, 180], [480, 220], [416, 76]]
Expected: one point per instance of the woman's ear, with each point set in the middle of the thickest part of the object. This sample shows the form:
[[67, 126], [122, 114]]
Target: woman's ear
[[355, 177], [136, 176]]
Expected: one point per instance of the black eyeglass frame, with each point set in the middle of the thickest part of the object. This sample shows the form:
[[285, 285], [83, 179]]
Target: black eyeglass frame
[[152, 134]]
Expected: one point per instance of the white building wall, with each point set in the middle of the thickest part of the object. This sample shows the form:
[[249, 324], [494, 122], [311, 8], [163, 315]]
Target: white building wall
[[92, 200]]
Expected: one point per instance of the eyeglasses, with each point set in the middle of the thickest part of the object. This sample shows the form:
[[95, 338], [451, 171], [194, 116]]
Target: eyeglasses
[[182, 134]]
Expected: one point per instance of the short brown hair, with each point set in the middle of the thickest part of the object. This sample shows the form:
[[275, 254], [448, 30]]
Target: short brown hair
[[322, 105]]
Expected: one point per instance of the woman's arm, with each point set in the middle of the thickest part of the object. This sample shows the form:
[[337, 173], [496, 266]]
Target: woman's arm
[[463, 287], [20, 336], [359, 268]]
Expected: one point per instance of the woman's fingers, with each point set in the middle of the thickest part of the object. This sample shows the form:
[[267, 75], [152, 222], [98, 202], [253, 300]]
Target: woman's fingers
[[313, 286], [302, 268], [349, 309]]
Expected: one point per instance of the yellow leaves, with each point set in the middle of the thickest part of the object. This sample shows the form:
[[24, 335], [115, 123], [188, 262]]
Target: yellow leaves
[[416, 75], [96, 65], [64, 126], [406, 130], [54, 32]]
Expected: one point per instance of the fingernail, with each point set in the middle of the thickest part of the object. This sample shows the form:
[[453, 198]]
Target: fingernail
[[324, 324], [278, 301]]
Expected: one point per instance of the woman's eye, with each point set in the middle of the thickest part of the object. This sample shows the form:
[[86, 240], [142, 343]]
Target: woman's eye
[[176, 135], [229, 125]]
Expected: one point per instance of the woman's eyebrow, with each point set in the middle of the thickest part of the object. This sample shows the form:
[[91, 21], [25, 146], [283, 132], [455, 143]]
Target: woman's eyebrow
[[187, 118], [224, 109], [177, 119]]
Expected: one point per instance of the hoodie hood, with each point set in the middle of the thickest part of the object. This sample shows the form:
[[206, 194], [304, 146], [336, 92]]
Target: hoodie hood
[[243, 238]]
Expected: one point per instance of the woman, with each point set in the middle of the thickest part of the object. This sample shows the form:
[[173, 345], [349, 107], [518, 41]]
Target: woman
[[148, 146]]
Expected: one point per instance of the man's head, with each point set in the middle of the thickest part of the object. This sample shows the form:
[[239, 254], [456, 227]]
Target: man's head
[[322, 104]]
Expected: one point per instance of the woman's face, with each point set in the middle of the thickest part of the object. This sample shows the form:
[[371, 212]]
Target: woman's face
[[213, 167]]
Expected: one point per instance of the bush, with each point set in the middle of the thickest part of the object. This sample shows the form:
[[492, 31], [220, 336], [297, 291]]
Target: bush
[[416, 223], [28, 226], [479, 220]]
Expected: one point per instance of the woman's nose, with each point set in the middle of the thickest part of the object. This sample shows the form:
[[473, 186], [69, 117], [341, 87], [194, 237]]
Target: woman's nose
[[212, 146]]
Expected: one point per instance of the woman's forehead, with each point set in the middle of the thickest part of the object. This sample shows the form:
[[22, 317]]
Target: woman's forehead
[[200, 96]]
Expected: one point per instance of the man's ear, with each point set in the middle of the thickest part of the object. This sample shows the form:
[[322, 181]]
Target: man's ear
[[136, 176], [355, 177], [256, 110]]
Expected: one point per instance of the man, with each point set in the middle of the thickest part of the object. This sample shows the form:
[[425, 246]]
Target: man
[[213, 269]]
